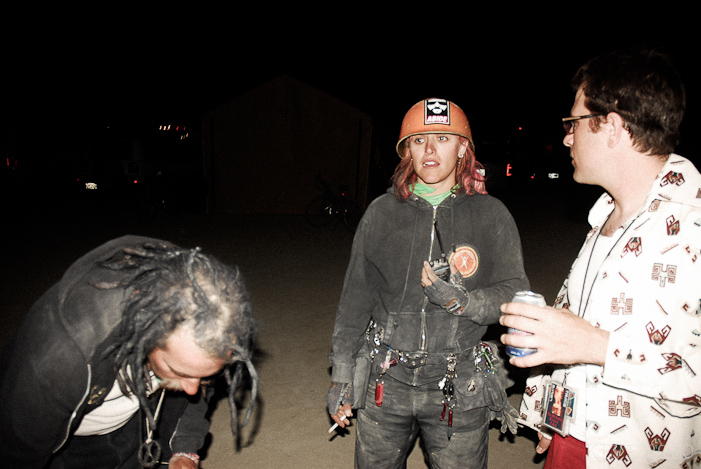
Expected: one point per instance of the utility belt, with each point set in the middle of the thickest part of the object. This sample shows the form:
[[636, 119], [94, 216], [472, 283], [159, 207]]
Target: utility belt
[[413, 360], [482, 355], [484, 385]]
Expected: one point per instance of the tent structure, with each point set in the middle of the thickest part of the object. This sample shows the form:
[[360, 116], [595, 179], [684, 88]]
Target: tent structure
[[263, 149]]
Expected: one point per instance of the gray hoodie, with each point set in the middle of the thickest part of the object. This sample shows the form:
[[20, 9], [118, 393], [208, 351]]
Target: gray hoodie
[[383, 280]]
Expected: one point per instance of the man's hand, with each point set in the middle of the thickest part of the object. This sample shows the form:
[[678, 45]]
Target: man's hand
[[560, 336], [543, 444], [182, 462]]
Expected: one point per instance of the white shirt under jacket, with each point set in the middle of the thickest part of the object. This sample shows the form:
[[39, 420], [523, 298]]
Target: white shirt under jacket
[[643, 408]]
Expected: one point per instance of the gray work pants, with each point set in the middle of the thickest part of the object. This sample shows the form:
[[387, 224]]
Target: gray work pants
[[385, 434]]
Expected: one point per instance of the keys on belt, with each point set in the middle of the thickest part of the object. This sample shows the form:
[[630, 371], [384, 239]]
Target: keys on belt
[[380, 384], [446, 385]]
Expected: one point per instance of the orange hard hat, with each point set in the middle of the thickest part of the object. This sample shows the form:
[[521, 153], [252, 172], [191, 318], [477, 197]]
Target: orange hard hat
[[434, 116]]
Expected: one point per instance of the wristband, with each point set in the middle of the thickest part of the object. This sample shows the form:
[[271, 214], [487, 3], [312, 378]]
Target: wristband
[[192, 456]]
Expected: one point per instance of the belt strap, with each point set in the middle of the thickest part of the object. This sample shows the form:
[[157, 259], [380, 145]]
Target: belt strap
[[413, 360]]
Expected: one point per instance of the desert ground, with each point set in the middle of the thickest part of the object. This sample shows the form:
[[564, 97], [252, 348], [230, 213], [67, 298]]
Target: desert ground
[[294, 272]]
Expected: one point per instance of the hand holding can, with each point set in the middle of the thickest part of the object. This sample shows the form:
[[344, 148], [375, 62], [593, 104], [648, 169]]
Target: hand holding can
[[532, 298]]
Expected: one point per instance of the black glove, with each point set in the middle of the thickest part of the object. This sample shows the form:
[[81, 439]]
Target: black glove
[[339, 394], [452, 297]]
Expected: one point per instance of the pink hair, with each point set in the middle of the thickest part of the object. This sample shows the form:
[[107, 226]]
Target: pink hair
[[469, 176]]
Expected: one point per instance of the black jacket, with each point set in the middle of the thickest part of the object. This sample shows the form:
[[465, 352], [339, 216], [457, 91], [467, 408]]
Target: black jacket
[[383, 280], [54, 371]]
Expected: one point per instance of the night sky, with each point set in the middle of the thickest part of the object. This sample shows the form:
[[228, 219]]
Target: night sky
[[74, 81]]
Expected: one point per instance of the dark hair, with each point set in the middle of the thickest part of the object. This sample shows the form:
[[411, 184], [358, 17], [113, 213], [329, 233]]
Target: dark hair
[[171, 287], [644, 88], [469, 175]]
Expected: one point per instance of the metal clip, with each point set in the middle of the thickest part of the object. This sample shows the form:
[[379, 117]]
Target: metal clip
[[446, 385], [374, 339], [412, 360], [452, 363], [484, 358], [388, 363]]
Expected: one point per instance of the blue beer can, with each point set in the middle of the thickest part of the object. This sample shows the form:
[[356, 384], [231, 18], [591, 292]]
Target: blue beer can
[[530, 298]]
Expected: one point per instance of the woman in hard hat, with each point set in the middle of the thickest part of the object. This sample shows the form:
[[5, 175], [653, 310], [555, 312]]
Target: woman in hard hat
[[432, 261]]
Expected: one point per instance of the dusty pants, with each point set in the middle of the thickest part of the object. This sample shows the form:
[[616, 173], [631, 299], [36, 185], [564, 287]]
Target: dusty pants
[[385, 434]]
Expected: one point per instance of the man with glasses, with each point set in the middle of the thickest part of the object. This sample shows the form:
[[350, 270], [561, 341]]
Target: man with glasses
[[617, 372]]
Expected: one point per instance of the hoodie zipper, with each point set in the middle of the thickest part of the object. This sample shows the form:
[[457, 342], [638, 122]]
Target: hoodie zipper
[[75, 412], [424, 326]]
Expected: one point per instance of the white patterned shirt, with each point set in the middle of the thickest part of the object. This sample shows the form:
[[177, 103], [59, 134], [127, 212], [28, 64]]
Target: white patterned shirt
[[643, 408]]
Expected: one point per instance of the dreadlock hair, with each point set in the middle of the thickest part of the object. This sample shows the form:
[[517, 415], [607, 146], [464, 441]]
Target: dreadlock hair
[[469, 175], [171, 288]]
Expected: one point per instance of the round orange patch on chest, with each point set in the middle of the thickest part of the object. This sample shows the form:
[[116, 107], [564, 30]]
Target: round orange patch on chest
[[466, 261]]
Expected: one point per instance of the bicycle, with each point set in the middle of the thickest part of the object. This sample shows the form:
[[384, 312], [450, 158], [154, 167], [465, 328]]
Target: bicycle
[[328, 207]]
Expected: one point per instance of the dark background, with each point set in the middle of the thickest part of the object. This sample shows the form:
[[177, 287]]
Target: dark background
[[71, 74]]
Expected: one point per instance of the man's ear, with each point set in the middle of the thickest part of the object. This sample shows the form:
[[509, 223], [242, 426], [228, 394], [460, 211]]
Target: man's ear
[[615, 126]]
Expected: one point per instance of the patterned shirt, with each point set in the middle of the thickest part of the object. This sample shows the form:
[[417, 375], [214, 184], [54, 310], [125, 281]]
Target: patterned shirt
[[643, 408]]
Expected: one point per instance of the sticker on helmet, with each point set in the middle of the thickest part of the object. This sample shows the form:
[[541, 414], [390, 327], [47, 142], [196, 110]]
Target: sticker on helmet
[[466, 260], [437, 111]]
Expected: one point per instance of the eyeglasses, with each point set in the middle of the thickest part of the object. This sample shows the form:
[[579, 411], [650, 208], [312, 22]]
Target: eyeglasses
[[568, 123]]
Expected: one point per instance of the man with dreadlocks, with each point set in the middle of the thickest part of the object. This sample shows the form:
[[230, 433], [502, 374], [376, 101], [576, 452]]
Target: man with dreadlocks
[[109, 367]]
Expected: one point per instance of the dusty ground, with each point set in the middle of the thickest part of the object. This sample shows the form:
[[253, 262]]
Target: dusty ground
[[294, 272]]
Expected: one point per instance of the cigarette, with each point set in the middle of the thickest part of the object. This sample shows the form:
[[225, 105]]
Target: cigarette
[[335, 425]]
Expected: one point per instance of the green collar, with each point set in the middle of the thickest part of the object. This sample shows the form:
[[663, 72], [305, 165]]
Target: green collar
[[426, 192]]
